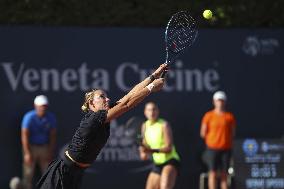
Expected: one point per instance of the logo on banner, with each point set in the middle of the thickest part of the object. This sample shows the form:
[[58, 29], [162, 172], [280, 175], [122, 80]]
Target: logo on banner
[[121, 149], [254, 46], [81, 78], [266, 147], [121, 145], [250, 147]]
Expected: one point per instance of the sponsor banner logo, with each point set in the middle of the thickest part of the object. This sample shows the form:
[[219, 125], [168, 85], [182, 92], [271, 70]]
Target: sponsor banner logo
[[250, 147], [21, 76], [254, 46]]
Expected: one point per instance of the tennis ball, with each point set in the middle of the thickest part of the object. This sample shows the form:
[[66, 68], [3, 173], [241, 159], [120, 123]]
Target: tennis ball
[[207, 14]]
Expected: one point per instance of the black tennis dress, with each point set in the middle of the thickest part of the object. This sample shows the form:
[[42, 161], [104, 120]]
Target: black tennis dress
[[86, 144]]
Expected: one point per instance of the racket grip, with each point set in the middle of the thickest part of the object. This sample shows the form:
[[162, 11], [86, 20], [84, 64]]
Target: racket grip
[[164, 74]]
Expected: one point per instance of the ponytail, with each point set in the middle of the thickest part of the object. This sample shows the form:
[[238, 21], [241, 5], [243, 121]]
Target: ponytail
[[85, 107]]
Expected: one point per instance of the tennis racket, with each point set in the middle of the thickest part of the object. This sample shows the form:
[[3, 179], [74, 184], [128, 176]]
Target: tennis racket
[[181, 32]]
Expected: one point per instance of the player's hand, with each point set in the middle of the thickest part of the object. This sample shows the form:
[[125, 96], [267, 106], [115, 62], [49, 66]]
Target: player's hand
[[148, 150], [28, 159], [158, 84], [158, 72], [145, 149], [143, 154]]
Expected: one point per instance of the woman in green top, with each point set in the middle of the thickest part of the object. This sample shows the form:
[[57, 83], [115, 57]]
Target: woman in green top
[[158, 142]]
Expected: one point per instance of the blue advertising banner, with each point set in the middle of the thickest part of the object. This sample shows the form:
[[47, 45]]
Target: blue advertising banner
[[62, 63], [259, 163]]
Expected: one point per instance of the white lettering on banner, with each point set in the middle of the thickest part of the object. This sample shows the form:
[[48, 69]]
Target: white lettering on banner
[[13, 80], [121, 145], [193, 75], [31, 75], [101, 79], [68, 76], [83, 72], [119, 154], [265, 183], [52, 79], [211, 78], [191, 80], [120, 73], [179, 79]]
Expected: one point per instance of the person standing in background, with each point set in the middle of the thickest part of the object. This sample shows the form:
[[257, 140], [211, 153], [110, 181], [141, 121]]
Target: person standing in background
[[157, 141], [38, 135], [218, 129]]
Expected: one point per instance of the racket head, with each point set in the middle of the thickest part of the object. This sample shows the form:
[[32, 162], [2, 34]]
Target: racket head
[[181, 32]]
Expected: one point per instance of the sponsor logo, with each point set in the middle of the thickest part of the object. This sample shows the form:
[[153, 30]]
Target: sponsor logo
[[121, 145], [250, 147], [121, 149], [254, 46], [264, 146], [20, 76], [268, 147]]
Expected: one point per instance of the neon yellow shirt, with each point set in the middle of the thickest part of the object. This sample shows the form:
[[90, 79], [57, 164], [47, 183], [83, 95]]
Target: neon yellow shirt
[[154, 138]]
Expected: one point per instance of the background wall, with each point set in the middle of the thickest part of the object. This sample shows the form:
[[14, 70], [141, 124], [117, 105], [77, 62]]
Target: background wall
[[64, 62]]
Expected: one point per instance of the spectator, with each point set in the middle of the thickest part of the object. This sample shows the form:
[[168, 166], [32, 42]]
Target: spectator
[[38, 135], [217, 129], [158, 142]]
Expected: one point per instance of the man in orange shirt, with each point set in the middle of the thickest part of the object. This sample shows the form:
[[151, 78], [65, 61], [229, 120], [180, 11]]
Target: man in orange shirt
[[217, 129]]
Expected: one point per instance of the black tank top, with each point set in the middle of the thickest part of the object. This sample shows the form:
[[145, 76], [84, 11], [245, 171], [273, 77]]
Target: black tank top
[[90, 137]]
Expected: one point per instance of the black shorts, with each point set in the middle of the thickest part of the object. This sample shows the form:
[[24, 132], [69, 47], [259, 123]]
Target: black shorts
[[217, 159], [158, 168]]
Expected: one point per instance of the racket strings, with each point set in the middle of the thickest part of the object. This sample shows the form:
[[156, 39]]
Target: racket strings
[[182, 36], [181, 32]]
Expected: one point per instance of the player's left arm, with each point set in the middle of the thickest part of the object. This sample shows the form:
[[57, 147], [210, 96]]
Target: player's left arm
[[129, 103], [144, 154], [168, 139]]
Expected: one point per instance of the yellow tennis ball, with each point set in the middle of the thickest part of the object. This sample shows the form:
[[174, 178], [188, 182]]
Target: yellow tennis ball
[[207, 14]]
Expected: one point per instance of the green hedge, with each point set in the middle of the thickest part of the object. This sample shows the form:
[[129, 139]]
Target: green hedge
[[143, 13]]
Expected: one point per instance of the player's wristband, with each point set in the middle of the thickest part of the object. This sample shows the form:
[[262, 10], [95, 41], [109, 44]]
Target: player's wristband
[[150, 86], [152, 77]]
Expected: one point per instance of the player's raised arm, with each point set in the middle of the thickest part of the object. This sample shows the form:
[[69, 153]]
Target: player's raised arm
[[140, 86], [138, 93]]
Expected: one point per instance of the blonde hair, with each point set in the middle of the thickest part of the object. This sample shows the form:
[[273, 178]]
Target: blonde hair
[[89, 96]]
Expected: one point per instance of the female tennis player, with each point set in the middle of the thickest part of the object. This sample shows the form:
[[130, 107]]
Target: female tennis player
[[92, 134], [158, 141]]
